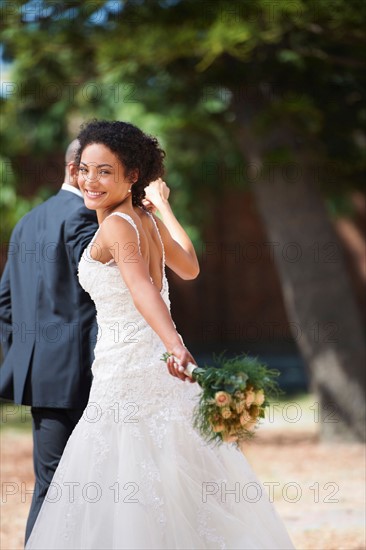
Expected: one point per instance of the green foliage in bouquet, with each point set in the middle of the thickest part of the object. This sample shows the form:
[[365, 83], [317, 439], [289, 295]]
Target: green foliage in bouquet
[[235, 393]]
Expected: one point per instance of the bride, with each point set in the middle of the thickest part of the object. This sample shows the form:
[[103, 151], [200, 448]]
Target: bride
[[134, 473]]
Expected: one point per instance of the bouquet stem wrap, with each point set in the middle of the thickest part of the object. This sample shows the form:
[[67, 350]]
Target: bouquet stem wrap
[[189, 370]]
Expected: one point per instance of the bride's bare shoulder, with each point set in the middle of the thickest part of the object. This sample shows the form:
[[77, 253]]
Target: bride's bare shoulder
[[118, 226]]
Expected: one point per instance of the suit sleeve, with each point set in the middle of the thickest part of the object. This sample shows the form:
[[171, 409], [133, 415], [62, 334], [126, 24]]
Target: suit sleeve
[[80, 228], [5, 311]]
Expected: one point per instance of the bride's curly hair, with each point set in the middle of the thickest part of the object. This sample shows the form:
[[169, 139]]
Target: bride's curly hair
[[133, 148]]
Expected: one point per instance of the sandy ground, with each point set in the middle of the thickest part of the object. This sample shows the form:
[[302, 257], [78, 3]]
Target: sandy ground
[[318, 489]]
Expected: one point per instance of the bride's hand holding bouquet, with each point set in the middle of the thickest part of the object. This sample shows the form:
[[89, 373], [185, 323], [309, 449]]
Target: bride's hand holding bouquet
[[178, 361]]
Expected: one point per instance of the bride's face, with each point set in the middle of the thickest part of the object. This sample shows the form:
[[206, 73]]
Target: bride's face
[[102, 178]]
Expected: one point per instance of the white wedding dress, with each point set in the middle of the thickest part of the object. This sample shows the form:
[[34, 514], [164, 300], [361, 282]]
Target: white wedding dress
[[134, 473]]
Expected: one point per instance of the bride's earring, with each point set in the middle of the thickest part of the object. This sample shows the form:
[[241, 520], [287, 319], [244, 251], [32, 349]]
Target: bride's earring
[[130, 189]]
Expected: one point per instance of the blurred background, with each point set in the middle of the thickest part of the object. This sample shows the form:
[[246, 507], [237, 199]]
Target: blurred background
[[260, 106]]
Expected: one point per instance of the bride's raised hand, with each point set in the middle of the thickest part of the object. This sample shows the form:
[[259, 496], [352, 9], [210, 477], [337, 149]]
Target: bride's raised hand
[[156, 194], [180, 255], [177, 362]]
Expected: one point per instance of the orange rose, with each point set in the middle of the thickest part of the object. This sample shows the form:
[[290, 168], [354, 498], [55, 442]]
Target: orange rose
[[226, 413], [222, 398], [218, 428], [249, 397]]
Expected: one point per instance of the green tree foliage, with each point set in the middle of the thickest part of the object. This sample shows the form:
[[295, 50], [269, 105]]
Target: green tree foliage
[[172, 66]]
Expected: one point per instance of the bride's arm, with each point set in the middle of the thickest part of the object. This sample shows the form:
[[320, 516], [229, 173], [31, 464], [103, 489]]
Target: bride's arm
[[179, 251], [121, 239]]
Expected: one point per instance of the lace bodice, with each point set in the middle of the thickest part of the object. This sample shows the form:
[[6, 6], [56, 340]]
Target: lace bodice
[[127, 349], [93, 273], [119, 322]]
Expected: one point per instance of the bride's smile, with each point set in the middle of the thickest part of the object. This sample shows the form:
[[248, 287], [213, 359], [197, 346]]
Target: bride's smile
[[103, 179]]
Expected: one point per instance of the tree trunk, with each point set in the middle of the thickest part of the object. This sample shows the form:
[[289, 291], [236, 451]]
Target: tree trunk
[[325, 320]]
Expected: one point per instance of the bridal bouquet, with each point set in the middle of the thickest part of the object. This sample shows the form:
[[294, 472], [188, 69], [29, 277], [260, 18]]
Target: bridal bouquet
[[235, 393]]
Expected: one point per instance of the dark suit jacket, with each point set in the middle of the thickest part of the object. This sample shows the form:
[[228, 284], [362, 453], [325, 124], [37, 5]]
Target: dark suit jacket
[[47, 320]]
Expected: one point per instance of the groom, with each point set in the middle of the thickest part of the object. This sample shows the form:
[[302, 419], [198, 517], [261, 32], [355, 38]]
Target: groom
[[47, 324]]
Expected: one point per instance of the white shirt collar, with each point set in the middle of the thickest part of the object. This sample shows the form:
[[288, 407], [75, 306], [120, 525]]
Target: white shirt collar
[[72, 189]]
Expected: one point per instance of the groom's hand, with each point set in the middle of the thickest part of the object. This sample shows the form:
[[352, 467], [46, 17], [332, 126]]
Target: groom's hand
[[178, 361]]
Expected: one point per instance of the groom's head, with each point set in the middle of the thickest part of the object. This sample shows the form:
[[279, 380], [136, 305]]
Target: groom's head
[[71, 169]]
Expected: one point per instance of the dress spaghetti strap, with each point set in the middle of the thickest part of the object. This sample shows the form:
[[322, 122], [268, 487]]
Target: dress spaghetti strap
[[128, 218]]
